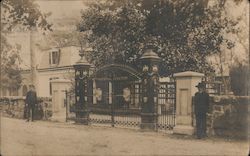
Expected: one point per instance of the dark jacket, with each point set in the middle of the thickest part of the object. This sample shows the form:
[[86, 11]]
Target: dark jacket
[[31, 98], [201, 103]]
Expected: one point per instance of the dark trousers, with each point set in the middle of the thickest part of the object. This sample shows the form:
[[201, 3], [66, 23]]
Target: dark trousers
[[201, 125], [30, 113]]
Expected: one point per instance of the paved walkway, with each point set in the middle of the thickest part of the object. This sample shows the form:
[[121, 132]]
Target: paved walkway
[[48, 139]]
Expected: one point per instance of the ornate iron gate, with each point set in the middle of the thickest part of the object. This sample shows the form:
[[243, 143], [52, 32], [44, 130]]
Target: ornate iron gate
[[114, 98]]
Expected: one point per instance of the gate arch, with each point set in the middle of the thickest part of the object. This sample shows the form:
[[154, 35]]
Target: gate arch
[[125, 68]]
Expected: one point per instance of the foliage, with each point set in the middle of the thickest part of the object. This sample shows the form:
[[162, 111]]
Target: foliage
[[113, 31], [184, 32], [17, 15], [25, 14], [11, 77], [239, 77]]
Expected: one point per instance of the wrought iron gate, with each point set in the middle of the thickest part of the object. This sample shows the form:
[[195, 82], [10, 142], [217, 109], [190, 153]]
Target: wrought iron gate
[[114, 98]]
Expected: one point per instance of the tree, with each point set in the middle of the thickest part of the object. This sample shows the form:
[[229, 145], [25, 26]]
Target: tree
[[184, 32], [21, 15], [24, 14], [112, 33], [10, 66], [239, 77], [235, 49]]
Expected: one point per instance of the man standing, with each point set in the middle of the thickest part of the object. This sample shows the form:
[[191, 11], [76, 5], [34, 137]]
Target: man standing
[[201, 105], [31, 100]]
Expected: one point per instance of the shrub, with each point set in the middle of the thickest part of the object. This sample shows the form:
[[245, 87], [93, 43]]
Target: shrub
[[239, 77]]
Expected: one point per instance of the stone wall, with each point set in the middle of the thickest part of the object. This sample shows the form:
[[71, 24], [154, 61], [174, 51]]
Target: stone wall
[[228, 116], [14, 107]]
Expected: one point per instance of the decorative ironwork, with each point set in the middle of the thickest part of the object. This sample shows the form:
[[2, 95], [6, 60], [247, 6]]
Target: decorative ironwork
[[119, 95]]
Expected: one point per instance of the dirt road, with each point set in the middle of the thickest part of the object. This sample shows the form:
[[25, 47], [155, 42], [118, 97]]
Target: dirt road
[[19, 138]]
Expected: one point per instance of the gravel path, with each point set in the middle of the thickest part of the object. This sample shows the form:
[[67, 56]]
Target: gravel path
[[55, 139]]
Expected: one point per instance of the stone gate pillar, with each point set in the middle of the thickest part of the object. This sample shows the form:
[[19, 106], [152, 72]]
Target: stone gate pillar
[[150, 83], [185, 90], [59, 86]]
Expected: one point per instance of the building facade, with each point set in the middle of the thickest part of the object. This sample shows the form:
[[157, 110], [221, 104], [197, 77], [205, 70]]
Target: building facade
[[55, 63]]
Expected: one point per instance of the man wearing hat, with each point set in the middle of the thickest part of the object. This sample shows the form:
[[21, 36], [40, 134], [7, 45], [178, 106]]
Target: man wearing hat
[[201, 105], [31, 100]]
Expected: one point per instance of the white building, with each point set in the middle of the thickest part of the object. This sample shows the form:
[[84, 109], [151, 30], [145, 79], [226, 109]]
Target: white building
[[55, 63]]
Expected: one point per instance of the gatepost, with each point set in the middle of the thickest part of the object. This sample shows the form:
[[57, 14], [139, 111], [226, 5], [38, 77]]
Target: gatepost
[[150, 83], [59, 86], [185, 90], [82, 72]]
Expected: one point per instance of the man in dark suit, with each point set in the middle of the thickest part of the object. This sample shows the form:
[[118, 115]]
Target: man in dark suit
[[201, 105], [31, 100]]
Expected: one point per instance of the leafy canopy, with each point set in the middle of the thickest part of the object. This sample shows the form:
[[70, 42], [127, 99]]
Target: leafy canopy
[[23, 14], [183, 32]]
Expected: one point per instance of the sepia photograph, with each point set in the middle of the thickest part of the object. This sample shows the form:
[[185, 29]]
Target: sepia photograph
[[124, 78]]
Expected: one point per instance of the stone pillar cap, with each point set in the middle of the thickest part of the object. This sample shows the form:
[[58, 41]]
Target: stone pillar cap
[[189, 74]]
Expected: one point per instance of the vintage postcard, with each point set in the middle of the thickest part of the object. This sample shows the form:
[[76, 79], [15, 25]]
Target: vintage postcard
[[124, 77]]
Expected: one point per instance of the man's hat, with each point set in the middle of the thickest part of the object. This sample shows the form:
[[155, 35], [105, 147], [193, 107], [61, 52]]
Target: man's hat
[[201, 85]]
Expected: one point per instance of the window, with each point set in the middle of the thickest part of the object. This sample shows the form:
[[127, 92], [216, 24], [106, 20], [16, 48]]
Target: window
[[54, 57]]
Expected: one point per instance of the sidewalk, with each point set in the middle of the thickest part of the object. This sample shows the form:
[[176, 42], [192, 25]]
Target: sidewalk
[[20, 138]]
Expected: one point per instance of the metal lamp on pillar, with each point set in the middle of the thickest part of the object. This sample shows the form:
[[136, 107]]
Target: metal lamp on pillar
[[150, 82], [82, 70]]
